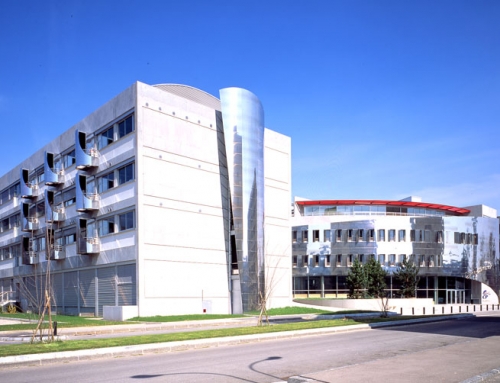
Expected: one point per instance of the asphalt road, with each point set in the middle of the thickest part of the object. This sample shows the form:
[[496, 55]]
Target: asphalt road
[[450, 351]]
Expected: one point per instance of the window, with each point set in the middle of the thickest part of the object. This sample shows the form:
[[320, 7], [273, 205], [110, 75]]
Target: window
[[350, 259], [126, 221], [361, 258], [125, 174], [371, 235], [339, 259], [381, 259], [361, 234], [327, 260], [381, 235], [294, 261], [14, 221], [439, 237], [392, 235], [315, 235], [438, 259], [305, 234], [4, 224], [412, 236], [105, 138], [338, 235], [69, 239], [349, 235], [105, 182], [462, 238], [420, 235], [431, 261], [316, 261], [69, 159], [402, 258], [294, 236], [402, 235], [69, 197], [305, 260], [125, 127], [392, 259], [326, 235], [5, 196], [106, 226], [474, 239]]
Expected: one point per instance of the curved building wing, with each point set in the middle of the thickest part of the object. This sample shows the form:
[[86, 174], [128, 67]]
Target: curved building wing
[[243, 120]]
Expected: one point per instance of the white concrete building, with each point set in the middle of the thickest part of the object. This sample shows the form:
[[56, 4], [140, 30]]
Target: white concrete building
[[166, 200]]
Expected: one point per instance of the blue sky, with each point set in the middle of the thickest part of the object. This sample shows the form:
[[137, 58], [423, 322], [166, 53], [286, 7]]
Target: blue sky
[[383, 99]]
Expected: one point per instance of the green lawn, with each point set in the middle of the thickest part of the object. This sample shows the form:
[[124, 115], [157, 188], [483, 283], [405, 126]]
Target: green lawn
[[63, 321], [36, 348], [182, 318]]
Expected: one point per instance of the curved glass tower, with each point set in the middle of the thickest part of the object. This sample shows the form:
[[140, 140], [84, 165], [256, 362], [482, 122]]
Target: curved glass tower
[[243, 120]]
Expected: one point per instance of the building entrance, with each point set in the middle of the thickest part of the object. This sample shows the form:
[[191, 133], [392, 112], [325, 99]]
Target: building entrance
[[455, 297]]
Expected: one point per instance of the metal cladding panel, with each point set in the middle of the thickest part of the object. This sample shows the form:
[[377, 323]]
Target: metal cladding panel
[[106, 284], [57, 291], [243, 120], [126, 285], [71, 291], [87, 289]]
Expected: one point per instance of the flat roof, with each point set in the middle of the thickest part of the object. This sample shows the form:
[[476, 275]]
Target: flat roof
[[340, 202]]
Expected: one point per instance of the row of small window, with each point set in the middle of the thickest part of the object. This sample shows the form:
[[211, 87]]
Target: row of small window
[[113, 224], [465, 238], [9, 252], [369, 210], [341, 260], [368, 235], [12, 191], [115, 178], [9, 223], [115, 132]]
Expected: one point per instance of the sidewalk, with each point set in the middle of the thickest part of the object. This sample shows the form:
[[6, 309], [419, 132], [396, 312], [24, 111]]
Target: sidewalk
[[141, 328]]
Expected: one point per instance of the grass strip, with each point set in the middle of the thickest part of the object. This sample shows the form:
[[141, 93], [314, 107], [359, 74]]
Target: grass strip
[[63, 321], [182, 318], [37, 348]]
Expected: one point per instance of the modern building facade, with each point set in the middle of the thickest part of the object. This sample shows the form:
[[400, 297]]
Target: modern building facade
[[166, 200], [455, 248]]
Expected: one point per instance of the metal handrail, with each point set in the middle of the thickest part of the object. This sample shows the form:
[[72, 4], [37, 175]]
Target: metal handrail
[[92, 152]]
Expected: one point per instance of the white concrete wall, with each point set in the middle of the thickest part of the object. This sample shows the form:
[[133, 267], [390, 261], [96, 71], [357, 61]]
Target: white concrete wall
[[277, 178], [182, 254]]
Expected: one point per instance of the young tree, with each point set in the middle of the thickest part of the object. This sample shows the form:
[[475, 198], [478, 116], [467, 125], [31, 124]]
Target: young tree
[[356, 280], [375, 275], [407, 274]]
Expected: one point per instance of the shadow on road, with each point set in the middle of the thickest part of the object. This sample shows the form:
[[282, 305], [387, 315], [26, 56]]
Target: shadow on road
[[489, 326]]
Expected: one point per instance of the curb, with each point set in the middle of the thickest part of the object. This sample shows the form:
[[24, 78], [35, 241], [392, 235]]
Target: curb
[[54, 357]]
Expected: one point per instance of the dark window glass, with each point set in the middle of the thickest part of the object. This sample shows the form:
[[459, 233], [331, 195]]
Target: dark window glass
[[127, 221], [126, 174], [105, 138], [125, 127]]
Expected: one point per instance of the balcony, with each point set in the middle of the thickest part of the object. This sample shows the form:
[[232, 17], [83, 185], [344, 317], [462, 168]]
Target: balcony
[[85, 201], [28, 189], [30, 258], [85, 157], [28, 223], [89, 245], [53, 213], [53, 176], [58, 253]]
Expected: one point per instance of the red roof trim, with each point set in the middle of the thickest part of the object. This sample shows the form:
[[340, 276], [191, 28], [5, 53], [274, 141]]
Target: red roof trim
[[341, 202]]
